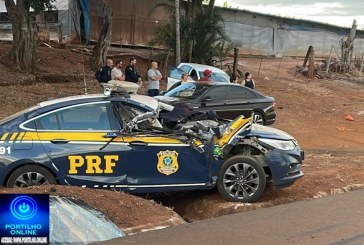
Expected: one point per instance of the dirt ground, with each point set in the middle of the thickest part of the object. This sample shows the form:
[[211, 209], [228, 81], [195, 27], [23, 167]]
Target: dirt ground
[[130, 213], [313, 111]]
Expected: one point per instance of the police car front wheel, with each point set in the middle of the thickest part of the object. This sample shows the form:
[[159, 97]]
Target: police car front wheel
[[241, 179], [30, 176]]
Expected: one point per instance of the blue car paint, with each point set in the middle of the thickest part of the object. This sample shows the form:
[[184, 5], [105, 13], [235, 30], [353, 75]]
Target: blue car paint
[[279, 162]]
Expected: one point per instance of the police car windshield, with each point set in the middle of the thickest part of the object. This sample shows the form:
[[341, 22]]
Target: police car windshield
[[189, 90]]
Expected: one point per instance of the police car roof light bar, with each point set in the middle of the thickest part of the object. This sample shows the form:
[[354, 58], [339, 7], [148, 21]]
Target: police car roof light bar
[[120, 88]]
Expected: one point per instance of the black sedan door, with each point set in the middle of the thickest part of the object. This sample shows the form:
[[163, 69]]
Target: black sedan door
[[241, 102], [228, 101]]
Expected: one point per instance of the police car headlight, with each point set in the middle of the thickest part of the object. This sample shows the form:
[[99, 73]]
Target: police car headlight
[[284, 145]]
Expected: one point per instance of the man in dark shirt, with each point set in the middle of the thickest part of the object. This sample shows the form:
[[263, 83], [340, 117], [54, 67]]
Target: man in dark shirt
[[104, 74], [131, 74]]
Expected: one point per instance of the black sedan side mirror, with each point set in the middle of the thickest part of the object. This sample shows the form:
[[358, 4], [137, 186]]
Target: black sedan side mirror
[[207, 99]]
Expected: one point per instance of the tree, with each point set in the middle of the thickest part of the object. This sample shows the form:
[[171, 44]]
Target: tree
[[23, 49], [347, 48], [178, 35], [201, 29], [101, 48]]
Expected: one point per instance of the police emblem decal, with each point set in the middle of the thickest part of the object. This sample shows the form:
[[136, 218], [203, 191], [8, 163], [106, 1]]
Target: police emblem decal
[[167, 162]]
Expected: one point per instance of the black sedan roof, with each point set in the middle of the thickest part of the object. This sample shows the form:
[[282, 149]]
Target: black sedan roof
[[201, 87]]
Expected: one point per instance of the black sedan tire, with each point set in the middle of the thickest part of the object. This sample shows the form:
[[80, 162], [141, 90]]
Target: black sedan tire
[[30, 176], [258, 118], [241, 179]]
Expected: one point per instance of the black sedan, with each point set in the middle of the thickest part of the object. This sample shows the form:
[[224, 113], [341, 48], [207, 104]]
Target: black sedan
[[228, 100]]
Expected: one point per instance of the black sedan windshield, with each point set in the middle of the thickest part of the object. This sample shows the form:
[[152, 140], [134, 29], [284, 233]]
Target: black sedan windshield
[[187, 90]]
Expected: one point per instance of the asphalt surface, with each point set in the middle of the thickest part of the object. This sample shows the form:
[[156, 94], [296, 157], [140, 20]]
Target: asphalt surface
[[333, 220]]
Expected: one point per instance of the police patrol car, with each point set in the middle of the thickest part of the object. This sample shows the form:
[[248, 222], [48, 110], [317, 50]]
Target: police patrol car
[[117, 142]]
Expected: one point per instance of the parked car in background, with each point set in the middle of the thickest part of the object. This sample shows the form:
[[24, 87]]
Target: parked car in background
[[228, 100], [195, 72]]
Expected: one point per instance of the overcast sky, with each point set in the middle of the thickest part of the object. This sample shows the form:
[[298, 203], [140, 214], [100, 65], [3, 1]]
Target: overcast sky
[[335, 12]]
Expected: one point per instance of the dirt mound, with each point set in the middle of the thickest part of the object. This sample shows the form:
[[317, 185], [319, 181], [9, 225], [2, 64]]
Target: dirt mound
[[130, 213]]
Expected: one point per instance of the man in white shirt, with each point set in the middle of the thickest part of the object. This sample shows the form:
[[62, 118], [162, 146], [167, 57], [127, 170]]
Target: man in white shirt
[[116, 73], [153, 79]]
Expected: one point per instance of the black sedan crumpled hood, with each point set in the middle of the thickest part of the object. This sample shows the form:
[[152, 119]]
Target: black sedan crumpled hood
[[261, 131]]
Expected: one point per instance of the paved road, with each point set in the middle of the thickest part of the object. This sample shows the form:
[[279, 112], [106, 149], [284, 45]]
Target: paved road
[[333, 220]]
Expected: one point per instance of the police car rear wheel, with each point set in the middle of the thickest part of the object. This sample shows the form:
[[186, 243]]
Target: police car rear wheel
[[30, 176], [241, 179]]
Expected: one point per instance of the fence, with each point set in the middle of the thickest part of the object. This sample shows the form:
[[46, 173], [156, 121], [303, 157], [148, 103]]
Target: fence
[[133, 21]]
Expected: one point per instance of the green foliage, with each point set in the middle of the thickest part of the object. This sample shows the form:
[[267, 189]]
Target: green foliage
[[201, 32], [223, 50], [209, 33], [164, 36]]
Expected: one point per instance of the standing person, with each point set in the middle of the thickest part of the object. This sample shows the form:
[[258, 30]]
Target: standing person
[[184, 79], [116, 73], [248, 82], [104, 74], [131, 74], [233, 79], [207, 74], [154, 76]]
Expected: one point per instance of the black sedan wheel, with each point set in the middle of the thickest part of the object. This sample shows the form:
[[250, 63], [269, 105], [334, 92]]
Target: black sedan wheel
[[241, 179], [258, 118], [30, 176]]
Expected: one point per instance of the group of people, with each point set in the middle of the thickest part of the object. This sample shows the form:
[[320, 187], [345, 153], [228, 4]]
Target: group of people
[[247, 82], [112, 71]]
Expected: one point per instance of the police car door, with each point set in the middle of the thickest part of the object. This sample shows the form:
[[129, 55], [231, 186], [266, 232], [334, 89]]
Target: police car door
[[157, 162], [73, 137]]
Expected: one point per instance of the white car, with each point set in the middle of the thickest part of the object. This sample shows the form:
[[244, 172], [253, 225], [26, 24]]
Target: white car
[[196, 73]]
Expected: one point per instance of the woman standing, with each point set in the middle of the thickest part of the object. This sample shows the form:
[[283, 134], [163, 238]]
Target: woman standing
[[184, 79], [248, 82]]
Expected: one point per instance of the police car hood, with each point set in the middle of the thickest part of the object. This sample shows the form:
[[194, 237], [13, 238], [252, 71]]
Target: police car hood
[[261, 131], [145, 100], [154, 104]]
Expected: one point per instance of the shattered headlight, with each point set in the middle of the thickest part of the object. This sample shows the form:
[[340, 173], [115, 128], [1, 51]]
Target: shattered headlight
[[284, 145]]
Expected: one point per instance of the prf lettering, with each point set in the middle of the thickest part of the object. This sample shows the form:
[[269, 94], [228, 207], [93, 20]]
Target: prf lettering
[[93, 164]]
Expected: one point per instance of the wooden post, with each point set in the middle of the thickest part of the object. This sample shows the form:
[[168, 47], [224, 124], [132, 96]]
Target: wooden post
[[261, 60], [307, 55], [279, 68], [311, 65], [329, 60], [362, 61], [236, 51]]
